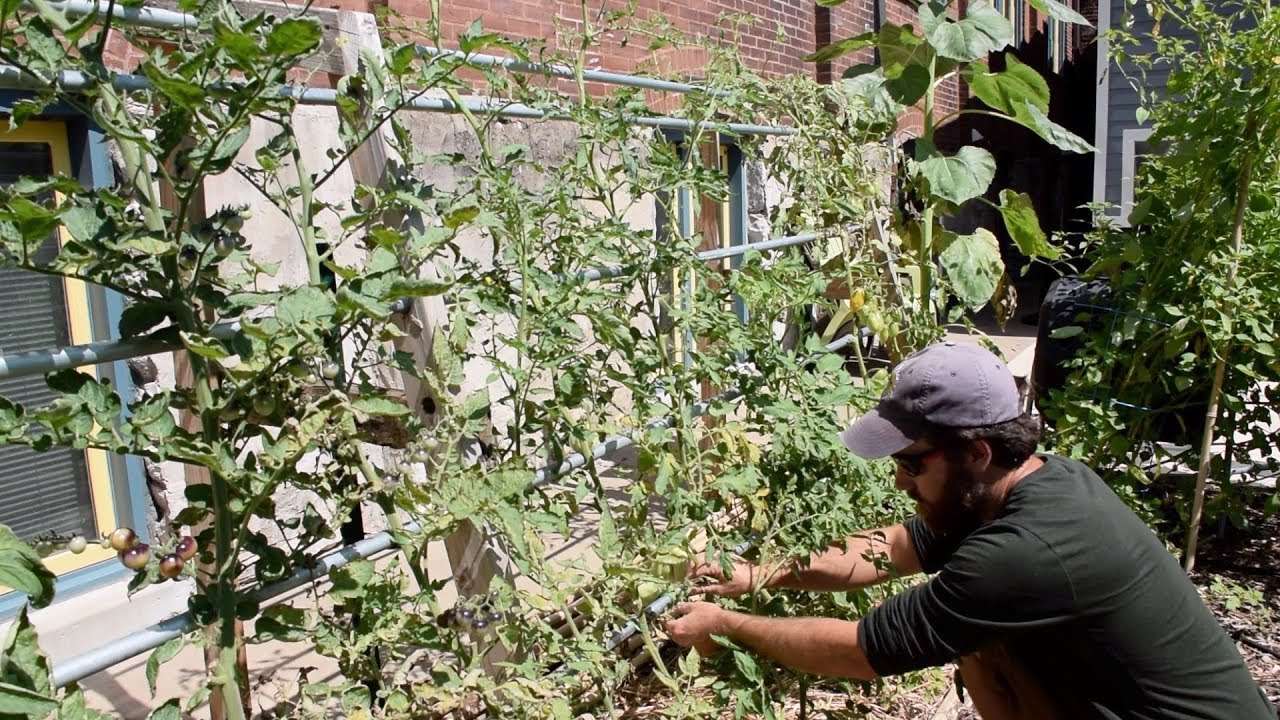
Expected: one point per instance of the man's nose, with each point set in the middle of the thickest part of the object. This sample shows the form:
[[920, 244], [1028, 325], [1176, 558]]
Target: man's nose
[[902, 481]]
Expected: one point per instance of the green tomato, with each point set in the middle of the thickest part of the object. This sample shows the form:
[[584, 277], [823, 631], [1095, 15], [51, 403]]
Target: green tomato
[[647, 592], [77, 544], [1261, 202], [264, 405]]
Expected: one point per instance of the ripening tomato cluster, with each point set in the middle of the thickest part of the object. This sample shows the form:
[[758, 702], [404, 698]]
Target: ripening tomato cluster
[[135, 554], [476, 615]]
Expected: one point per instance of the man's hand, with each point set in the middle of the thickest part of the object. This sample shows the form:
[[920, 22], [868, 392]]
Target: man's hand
[[742, 582], [695, 623]]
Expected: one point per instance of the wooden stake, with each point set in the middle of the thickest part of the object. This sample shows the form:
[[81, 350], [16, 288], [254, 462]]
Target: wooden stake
[[472, 559], [1219, 373]]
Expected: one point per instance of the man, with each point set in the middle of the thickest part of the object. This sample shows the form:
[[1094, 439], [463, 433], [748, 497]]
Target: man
[[1054, 599]]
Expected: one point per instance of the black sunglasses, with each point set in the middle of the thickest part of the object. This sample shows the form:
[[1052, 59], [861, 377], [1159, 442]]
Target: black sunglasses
[[912, 464]]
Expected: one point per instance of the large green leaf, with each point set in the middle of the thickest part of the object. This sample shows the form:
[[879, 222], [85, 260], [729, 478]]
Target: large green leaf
[[910, 86], [21, 661], [901, 48], [294, 36], [867, 92], [973, 266], [185, 94], [1023, 225], [1052, 132], [170, 710], [827, 53], [19, 702], [375, 405], [350, 581], [306, 305], [983, 30], [1059, 11], [1008, 89], [960, 177], [22, 569]]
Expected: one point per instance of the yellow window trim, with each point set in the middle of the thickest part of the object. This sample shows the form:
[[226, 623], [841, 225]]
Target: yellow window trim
[[54, 134]]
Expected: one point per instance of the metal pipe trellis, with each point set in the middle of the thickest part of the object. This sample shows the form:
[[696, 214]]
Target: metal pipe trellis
[[94, 353], [13, 78], [564, 71], [104, 656], [43, 361], [163, 19]]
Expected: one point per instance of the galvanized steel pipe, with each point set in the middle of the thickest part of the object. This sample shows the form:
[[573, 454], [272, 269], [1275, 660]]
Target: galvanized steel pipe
[[13, 78], [149, 638], [564, 71]]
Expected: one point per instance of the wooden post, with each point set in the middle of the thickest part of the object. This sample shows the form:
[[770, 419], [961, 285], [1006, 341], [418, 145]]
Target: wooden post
[[1220, 371], [471, 556]]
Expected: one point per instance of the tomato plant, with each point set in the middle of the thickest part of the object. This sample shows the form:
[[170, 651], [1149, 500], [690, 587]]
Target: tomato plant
[[531, 365], [1189, 326]]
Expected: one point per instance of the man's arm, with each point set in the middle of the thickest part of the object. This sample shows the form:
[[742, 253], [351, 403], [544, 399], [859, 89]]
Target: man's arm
[[818, 646], [865, 559]]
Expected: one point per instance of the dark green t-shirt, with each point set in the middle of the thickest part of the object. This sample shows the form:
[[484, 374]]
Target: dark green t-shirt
[[1082, 594]]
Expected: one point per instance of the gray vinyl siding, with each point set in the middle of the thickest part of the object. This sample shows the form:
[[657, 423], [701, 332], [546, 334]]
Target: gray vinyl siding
[[1122, 98]]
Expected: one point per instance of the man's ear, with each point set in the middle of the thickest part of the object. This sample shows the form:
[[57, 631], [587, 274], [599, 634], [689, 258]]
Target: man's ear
[[980, 455]]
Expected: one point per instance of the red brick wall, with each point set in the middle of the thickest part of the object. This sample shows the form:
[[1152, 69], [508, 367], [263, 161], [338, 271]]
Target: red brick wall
[[805, 26], [757, 41]]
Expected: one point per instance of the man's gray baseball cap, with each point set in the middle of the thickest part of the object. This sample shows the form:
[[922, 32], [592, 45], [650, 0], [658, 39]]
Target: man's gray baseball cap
[[949, 384]]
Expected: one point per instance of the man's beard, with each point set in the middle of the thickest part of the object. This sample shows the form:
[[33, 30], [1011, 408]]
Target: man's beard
[[959, 511]]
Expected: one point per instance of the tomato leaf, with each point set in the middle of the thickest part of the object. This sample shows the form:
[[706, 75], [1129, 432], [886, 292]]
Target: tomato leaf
[[160, 656], [22, 663], [22, 569]]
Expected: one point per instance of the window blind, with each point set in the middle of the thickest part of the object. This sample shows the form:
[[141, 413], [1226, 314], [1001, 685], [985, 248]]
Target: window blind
[[39, 491]]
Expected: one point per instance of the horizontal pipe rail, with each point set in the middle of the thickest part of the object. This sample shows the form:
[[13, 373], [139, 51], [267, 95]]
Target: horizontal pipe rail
[[45, 361], [141, 16], [564, 71], [38, 362], [610, 271], [774, 244], [162, 19], [14, 78], [149, 638]]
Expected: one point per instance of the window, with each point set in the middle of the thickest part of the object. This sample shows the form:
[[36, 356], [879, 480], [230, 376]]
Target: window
[[61, 491], [1056, 33], [1134, 146], [1015, 12], [720, 223]]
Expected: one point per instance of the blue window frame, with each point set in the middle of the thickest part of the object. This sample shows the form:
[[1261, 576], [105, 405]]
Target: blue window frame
[[113, 488]]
